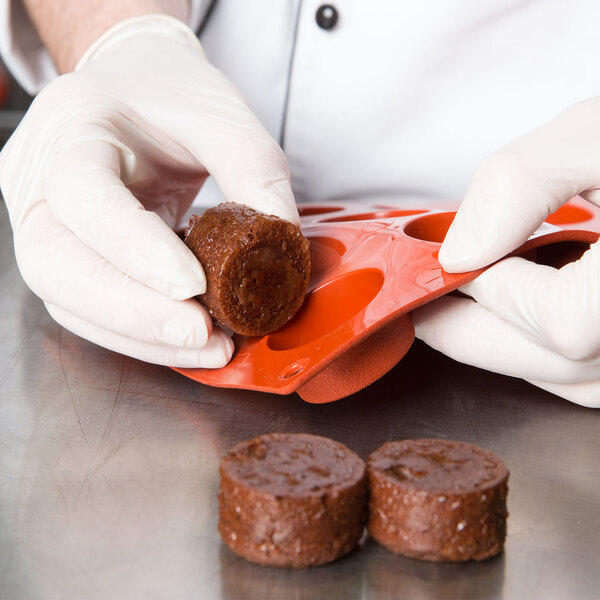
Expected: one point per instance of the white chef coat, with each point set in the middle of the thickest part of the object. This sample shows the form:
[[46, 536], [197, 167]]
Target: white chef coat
[[400, 99]]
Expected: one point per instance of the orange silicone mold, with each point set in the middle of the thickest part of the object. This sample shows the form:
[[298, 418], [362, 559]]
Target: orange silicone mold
[[371, 265]]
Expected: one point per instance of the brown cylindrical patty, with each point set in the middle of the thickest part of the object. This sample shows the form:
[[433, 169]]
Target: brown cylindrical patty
[[437, 500], [292, 500], [257, 267]]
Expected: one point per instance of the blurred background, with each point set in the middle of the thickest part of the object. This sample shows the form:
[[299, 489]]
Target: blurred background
[[13, 104]]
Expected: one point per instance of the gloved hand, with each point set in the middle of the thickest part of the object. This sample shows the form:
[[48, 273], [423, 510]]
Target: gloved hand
[[106, 162], [526, 320]]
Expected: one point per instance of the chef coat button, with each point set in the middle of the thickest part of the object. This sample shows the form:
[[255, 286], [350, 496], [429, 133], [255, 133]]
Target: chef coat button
[[327, 16]]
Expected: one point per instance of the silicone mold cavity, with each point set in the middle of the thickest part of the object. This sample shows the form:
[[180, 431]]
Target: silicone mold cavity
[[430, 228], [328, 307], [569, 214], [325, 254], [308, 210], [373, 216]]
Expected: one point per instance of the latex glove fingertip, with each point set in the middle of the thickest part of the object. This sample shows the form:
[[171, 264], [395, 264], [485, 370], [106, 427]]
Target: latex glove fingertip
[[193, 286], [215, 354], [462, 250], [190, 328]]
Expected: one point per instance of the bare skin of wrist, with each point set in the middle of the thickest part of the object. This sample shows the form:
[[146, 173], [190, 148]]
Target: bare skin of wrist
[[68, 27]]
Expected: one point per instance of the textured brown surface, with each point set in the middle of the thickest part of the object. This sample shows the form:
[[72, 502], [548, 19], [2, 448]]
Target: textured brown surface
[[257, 267], [292, 500], [437, 500]]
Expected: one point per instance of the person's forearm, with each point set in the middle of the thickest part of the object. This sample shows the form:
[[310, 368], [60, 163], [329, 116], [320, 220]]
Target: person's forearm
[[68, 27]]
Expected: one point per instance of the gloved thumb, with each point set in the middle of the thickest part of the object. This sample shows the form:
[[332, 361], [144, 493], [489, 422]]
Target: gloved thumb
[[513, 191]]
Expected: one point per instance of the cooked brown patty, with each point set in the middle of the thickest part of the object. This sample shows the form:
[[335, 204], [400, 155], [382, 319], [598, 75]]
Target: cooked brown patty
[[257, 267], [292, 500], [437, 500]]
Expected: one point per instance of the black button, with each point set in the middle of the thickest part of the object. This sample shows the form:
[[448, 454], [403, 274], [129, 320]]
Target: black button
[[327, 16]]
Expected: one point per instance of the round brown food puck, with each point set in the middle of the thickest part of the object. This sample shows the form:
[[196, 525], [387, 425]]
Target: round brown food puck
[[292, 500], [437, 500], [257, 267]]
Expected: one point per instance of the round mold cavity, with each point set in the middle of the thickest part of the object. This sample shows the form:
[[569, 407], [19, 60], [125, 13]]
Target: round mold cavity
[[325, 254], [307, 211], [430, 228], [328, 307], [371, 216], [569, 214]]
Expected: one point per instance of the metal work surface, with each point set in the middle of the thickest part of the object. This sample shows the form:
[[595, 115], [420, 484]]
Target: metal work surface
[[109, 473]]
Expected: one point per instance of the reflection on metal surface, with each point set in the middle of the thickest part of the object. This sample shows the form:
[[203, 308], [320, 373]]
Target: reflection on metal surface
[[109, 473]]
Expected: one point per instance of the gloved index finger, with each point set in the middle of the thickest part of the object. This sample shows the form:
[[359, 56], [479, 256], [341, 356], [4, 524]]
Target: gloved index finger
[[500, 211], [85, 193], [515, 189]]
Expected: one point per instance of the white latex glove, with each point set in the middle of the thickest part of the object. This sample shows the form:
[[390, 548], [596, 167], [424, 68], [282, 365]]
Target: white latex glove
[[526, 320], [106, 162]]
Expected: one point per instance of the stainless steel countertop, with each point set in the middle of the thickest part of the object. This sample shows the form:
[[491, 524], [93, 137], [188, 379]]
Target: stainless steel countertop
[[109, 473]]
